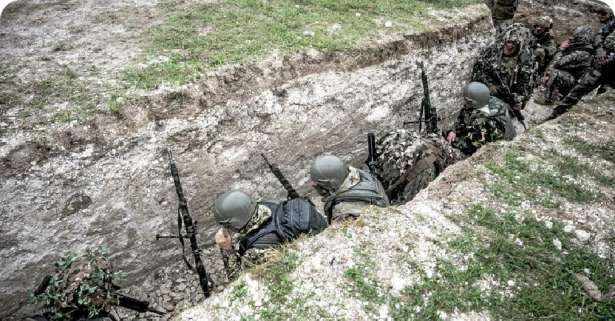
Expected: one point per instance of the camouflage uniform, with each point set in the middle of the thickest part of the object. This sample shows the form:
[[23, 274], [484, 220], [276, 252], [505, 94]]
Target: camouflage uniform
[[81, 288], [509, 77], [502, 12], [573, 73], [344, 210], [233, 262], [408, 161], [544, 45], [477, 127]]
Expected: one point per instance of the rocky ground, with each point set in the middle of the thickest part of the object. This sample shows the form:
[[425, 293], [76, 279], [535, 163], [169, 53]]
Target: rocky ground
[[499, 236], [89, 100]]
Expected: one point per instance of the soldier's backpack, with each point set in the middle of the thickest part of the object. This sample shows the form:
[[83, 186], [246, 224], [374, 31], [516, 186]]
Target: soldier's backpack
[[369, 190], [289, 219]]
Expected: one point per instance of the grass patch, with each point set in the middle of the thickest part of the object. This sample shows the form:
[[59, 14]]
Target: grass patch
[[516, 181], [605, 151], [275, 272], [544, 287], [193, 40], [362, 282]]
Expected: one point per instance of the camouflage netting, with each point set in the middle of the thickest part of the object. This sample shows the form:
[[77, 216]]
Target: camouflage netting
[[82, 286]]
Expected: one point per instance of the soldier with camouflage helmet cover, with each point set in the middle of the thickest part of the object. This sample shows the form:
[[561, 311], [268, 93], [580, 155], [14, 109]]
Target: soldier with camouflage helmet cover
[[346, 190], [82, 288], [507, 67], [544, 45], [258, 227], [502, 12], [483, 119]]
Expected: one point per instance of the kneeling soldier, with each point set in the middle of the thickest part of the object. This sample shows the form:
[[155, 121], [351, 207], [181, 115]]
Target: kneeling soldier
[[345, 190], [483, 119], [259, 227]]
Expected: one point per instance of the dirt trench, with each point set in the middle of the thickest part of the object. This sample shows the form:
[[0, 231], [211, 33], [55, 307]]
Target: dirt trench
[[114, 188]]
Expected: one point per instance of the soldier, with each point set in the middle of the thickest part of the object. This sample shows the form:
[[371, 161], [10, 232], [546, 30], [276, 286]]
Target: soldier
[[574, 73], [502, 12], [483, 119], [544, 45], [259, 226], [82, 288], [346, 190], [606, 17], [507, 67], [408, 161]]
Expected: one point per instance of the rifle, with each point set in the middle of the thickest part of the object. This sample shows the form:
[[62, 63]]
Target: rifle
[[275, 170], [371, 153], [510, 98], [428, 114], [184, 218]]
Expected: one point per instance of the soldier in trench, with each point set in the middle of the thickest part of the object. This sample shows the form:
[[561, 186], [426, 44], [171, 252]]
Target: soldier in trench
[[574, 72], [409, 161], [544, 45], [502, 12], [258, 227], [507, 67], [346, 190]]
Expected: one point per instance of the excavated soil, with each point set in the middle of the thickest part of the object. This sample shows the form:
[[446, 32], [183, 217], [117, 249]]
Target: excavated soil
[[71, 186]]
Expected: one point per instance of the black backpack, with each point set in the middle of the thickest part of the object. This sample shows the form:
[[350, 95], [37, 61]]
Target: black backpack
[[289, 219]]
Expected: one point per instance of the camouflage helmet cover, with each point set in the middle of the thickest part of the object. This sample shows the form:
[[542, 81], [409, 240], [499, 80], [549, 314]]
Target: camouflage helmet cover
[[476, 94], [583, 35], [329, 172], [234, 209], [544, 22], [516, 33]]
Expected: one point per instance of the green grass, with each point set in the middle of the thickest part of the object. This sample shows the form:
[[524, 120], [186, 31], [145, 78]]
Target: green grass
[[275, 273], [516, 181], [205, 36], [544, 284], [361, 280], [605, 151]]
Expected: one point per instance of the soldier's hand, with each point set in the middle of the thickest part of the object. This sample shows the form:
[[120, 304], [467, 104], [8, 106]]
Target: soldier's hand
[[451, 137], [223, 239]]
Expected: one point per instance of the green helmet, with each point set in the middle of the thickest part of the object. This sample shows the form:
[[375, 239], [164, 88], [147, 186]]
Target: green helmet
[[234, 209], [329, 172], [476, 94]]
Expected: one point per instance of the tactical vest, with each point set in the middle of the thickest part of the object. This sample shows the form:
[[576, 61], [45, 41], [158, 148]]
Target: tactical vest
[[369, 190], [288, 220]]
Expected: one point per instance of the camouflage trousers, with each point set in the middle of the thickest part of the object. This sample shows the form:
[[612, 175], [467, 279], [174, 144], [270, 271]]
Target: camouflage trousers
[[588, 82]]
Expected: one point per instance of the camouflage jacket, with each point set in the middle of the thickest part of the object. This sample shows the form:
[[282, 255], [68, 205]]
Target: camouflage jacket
[[477, 127], [601, 35], [502, 9], [577, 60], [511, 77], [233, 262], [408, 161], [544, 49]]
